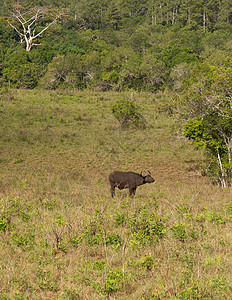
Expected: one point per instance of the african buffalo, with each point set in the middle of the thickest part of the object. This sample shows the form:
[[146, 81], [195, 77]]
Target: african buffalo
[[128, 180]]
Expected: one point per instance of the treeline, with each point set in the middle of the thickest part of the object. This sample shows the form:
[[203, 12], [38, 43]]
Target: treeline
[[116, 45], [118, 14]]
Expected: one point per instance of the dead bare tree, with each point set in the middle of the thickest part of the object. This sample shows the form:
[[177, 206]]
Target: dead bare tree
[[29, 24]]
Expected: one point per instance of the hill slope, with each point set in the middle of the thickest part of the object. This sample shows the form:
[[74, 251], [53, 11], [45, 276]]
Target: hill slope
[[63, 237]]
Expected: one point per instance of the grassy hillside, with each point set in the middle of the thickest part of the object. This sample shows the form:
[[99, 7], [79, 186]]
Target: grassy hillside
[[61, 234]]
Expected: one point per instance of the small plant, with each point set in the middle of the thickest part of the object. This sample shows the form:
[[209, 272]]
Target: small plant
[[193, 292], [49, 204], [93, 233], [179, 232], [18, 160], [146, 226], [6, 94], [127, 114], [23, 238], [8, 209], [114, 281], [148, 262], [71, 294], [58, 247], [216, 218], [120, 219], [229, 210], [114, 239], [44, 280], [99, 265], [220, 285]]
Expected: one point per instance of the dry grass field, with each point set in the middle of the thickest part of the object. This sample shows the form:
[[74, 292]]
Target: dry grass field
[[62, 236]]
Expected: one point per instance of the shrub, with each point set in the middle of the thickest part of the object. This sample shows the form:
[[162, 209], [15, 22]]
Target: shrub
[[148, 262], [114, 239], [193, 292], [127, 114], [93, 233], [6, 94], [22, 238], [114, 281], [99, 265], [9, 208], [146, 226], [179, 231], [120, 219]]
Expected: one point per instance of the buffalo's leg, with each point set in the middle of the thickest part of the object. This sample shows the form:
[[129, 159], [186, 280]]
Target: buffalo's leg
[[112, 190], [132, 191]]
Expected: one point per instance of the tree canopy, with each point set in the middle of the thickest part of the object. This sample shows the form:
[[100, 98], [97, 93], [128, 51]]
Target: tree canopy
[[118, 44]]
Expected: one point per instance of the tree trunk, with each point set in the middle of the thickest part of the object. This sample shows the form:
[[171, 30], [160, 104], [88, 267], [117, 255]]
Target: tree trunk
[[223, 177], [204, 20]]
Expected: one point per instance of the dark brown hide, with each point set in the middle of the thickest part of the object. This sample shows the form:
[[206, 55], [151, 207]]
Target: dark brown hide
[[128, 180]]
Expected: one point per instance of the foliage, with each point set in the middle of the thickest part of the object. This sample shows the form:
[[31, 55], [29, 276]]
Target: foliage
[[114, 281], [10, 208], [146, 227], [193, 292], [179, 231], [148, 262], [208, 100], [174, 55], [127, 113], [42, 55], [121, 44], [19, 70], [7, 94], [64, 71]]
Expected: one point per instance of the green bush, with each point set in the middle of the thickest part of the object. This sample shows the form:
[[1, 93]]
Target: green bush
[[193, 292], [114, 281], [148, 262], [114, 239], [99, 265], [93, 233], [6, 94], [127, 114], [179, 232], [19, 71], [9, 208], [120, 219], [146, 227]]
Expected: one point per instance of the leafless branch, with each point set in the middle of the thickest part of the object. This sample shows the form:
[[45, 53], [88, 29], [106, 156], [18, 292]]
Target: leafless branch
[[27, 27]]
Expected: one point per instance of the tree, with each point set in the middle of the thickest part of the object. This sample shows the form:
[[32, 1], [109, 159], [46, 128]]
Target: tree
[[225, 14], [31, 24], [19, 71], [207, 100], [153, 72], [130, 77], [65, 71], [92, 12]]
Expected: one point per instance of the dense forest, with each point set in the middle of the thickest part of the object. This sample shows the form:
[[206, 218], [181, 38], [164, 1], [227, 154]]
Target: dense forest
[[113, 45]]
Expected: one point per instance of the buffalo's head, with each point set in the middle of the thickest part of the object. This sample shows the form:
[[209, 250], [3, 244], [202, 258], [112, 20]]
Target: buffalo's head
[[147, 177]]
